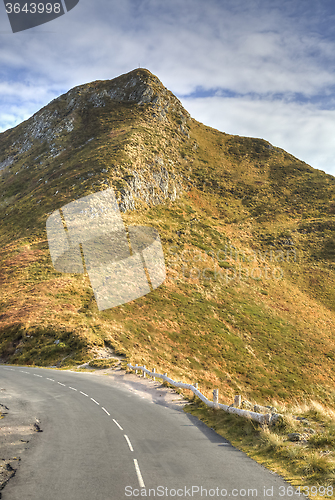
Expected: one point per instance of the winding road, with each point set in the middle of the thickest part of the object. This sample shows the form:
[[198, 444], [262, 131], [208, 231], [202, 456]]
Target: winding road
[[100, 442]]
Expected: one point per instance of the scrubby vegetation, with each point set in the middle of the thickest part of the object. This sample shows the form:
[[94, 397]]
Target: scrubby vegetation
[[103, 363]]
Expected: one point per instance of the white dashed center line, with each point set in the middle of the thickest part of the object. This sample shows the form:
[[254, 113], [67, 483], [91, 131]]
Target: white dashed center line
[[117, 423], [137, 468], [138, 472], [139, 475], [129, 443]]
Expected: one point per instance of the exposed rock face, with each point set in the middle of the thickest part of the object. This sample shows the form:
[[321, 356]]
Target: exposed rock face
[[152, 190], [43, 127], [8, 161]]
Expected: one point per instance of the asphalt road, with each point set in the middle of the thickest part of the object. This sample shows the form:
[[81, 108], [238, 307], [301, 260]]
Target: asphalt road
[[103, 443]]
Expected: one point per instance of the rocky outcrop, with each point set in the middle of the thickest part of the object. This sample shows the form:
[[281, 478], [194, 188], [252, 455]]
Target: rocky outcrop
[[7, 162], [151, 187]]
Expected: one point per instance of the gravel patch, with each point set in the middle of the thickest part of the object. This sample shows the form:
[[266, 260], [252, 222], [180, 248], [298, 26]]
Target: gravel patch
[[146, 387], [18, 424]]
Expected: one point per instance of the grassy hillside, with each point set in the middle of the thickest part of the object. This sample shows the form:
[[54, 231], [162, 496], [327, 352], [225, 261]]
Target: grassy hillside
[[248, 233]]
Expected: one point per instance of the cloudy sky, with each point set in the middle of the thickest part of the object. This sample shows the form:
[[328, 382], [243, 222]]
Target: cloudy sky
[[259, 68]]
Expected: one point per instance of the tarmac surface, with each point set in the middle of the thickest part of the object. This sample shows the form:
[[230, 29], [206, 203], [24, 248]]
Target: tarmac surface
[[112, 435]]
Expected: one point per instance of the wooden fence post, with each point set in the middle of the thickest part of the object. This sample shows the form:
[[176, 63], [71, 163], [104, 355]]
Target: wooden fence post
[[237, 401], [216, 398]]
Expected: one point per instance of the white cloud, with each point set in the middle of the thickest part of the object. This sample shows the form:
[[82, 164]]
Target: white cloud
[[303, 130], [202, 44], [255, 48]]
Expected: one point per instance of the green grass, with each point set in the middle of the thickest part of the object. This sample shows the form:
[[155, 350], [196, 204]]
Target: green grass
[[42, 346]]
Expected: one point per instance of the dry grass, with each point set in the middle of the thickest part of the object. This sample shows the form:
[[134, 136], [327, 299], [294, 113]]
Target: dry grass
[[303, 463]]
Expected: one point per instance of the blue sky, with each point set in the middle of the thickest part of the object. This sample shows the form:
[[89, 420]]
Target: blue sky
[[259, 68]]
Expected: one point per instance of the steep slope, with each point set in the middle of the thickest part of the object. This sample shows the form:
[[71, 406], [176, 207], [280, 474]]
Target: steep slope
[[247, 232]]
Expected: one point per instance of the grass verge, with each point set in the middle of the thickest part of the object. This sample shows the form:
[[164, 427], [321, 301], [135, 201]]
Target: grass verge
[[308, 464]]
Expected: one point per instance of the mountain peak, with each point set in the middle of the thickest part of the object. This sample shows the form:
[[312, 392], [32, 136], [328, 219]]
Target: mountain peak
[[130, 125], [138, 86]]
